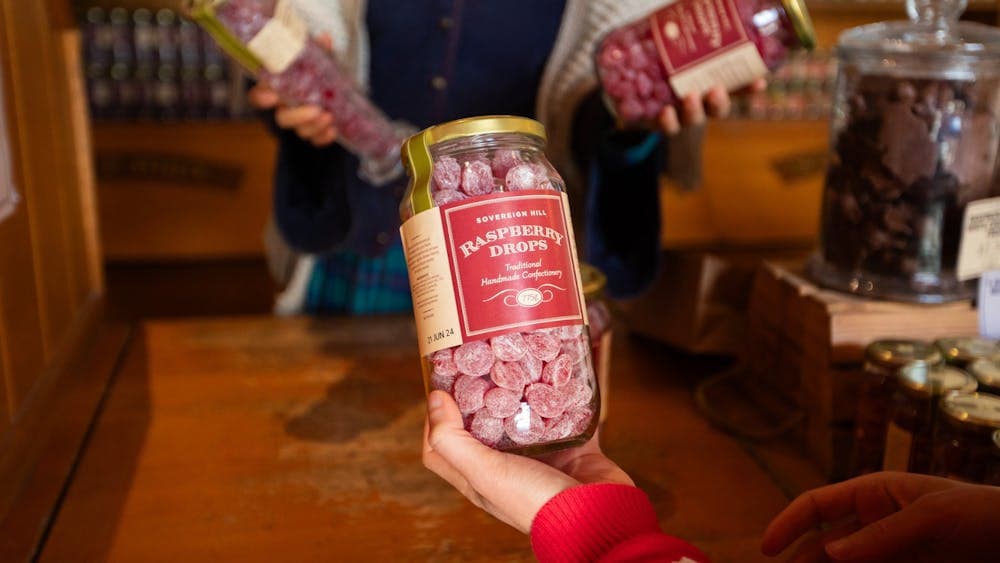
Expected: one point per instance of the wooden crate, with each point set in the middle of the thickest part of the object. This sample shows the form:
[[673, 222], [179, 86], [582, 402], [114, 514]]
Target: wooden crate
[[806, 344]]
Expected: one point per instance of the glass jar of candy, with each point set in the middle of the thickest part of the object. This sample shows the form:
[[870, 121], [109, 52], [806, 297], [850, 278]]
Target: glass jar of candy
[[271, 40], [914, 414], [883, 361], [963, 444], [690, 46], [962, 351], [987, 373], [497, 292], [599, 321], [914, 137]]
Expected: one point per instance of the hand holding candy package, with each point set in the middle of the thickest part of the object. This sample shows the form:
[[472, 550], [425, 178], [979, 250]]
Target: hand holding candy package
[[269, 38], [497, 291], [690, 46]]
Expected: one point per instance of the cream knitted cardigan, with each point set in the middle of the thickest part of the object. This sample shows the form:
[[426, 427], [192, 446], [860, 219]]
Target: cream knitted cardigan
[[569, 74]]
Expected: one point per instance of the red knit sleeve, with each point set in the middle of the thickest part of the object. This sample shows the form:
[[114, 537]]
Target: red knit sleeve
[[605, 522]]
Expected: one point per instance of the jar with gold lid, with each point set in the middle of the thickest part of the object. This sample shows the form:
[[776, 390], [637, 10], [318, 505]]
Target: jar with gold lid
[[883, 360], [962, 351], [498, 296], [964, 442], [599, 316], [914, 414], [987, 373], [993, 475]]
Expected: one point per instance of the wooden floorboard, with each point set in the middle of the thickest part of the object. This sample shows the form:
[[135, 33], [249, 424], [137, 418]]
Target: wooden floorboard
[[262, 439]]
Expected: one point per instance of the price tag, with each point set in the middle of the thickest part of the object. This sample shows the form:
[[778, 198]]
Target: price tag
[[989, 304], [979, 251]]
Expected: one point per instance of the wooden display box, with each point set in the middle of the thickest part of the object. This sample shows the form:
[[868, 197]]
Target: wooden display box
[[806, 345]]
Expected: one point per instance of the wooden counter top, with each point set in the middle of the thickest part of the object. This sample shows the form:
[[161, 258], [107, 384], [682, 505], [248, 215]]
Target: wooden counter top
[[262, 439]]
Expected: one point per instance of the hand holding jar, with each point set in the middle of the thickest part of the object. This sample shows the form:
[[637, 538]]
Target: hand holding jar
[[689, 47]]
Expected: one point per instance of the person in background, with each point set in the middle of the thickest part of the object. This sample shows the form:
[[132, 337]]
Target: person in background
[[892, 517], [576, 504], [427, 62]]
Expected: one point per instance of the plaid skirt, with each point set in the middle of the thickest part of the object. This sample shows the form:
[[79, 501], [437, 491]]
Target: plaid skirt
[[348, 283]]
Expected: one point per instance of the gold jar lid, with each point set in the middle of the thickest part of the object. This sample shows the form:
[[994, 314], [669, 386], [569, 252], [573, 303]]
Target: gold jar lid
[[973, 409], [203, 12], [416, 151], [987, 371], [801, 22], [593, 281], [927, 381], [895, 354], [963, 350]]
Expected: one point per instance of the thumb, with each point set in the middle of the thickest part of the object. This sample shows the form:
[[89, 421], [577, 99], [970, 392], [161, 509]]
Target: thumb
[[449, 439], [443, 413], [895, 533], [325, 41]]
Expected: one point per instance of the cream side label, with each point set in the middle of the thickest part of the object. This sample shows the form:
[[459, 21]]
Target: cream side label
[[281, 40], [433, 290]]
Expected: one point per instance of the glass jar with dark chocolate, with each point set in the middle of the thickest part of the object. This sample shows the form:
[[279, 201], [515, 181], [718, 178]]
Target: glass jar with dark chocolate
[[914, 137], [963, 350], [987, 373], [914, 414], [883, 360], [599, 323], [963, 442]]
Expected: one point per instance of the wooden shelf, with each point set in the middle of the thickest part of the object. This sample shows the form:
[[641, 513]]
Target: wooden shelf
[[173, 191]]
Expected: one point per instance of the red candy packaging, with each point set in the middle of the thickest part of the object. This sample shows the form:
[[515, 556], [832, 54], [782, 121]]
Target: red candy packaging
[[692, 45], [497, 294], [272, 41]]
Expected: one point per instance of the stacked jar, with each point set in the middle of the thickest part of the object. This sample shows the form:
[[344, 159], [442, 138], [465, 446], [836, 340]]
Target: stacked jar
[[690, 46], [962, 351], [600, 330], [914, 414], [883, 361], [497, 294], [964, 441], [987, 373]]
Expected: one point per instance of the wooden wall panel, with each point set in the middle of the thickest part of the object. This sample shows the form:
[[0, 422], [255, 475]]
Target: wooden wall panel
[[42, 118]]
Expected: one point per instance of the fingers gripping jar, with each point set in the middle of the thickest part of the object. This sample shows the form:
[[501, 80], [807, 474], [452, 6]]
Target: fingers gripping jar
[[497, 294]]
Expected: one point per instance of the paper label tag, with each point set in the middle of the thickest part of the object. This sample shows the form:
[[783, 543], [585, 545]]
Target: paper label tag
[[979, 250], [492, 265], [703, 43], [989, 304], [281, 40]]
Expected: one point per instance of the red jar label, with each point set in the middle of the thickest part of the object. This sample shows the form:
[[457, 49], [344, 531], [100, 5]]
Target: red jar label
[[703, 43], [492, 265]]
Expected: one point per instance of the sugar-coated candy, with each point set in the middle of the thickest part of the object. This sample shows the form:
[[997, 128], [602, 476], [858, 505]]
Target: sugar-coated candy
[[486, 428], [543, 345], [474, 358], [522, 177], [510, 375], [544, 399], [578, 391], [470, 393], [443, 382], [477, 177], [447, 174], [526, 427], [503, 161], [571, 423], [533, 366], [559, 371], [509, 347], [567, 332], [444, 362], [502, 402], [445, 197], [576, 349]]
